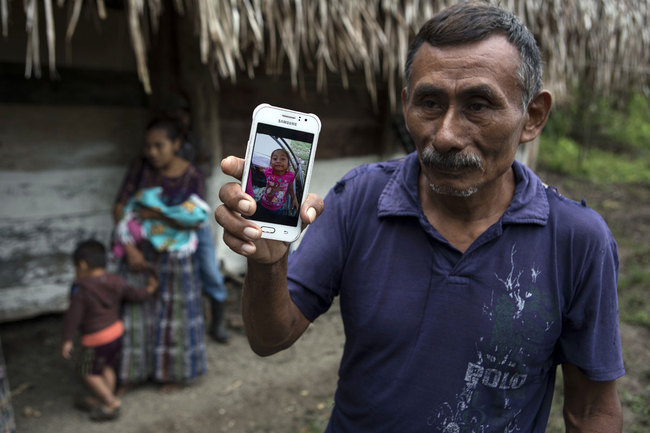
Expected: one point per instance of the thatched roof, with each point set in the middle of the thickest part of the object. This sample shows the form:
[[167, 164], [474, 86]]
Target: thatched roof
[[604, 41]]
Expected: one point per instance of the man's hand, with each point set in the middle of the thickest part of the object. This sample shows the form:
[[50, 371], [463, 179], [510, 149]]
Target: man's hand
[[272, 321], [244, 236]]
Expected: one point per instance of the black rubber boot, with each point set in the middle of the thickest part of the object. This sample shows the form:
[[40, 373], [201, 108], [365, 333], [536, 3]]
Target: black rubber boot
[[218, 330]]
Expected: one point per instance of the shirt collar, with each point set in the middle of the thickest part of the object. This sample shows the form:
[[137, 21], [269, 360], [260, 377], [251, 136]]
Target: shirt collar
[[529, 204], [400, 195]]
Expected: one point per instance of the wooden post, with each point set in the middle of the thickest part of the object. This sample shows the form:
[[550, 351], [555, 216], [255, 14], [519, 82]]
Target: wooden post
[[176, 69], [163, 59], [196, 80]]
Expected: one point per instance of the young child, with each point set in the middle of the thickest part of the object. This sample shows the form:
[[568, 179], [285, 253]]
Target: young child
[[94, 309], [174, 231], [279, 181]]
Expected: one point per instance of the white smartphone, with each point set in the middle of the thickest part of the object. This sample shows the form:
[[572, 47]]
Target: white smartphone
[[279, 160]]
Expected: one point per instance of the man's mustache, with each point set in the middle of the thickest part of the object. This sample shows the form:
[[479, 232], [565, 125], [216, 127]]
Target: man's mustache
[[451, 160]]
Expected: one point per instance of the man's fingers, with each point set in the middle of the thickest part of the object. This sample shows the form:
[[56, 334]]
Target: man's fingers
[[240, 246], [234, 223], [236, 227], [311, 208], [237, 200], [233, 166], [239, 233]]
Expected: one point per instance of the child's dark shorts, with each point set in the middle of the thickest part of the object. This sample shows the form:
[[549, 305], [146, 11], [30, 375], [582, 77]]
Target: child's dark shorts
[[94, 359]]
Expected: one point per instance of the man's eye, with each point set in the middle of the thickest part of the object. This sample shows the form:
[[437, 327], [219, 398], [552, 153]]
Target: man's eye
[[431, 104], [477, 106]]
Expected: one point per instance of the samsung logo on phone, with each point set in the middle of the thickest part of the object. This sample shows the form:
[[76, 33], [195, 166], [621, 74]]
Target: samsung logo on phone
[[287, 122]]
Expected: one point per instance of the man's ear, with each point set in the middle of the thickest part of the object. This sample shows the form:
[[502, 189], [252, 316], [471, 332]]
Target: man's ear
[[536, 116]]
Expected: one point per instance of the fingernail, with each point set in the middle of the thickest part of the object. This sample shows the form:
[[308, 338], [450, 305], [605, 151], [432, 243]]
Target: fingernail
[[311, 213], [244, 206], [251, 233], [247, 249]]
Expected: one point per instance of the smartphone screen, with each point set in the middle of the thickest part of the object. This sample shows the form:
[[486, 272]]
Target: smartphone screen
[[278, 172]]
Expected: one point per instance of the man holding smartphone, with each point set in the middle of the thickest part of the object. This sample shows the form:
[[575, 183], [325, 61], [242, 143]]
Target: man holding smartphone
[[463, 280]]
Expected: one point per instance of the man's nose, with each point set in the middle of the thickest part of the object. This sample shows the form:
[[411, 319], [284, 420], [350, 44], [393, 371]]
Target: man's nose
[[449, 135]]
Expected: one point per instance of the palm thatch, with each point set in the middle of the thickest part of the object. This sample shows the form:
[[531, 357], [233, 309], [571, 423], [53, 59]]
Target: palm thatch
[[605, 40]]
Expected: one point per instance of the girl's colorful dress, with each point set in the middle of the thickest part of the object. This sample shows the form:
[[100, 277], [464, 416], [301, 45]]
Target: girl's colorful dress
[[275, 192], [164, 337]]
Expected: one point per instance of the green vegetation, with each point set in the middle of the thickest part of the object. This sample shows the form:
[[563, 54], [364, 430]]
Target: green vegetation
[[302, 150], [634, 281], [565, 156], [599, 142], [640, 405]]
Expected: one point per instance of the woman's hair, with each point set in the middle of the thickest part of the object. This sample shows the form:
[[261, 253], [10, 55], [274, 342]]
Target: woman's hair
[[92, 252], [172, 127], [471, 22]]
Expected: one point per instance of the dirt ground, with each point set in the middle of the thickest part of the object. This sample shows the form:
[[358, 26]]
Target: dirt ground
[[290, 392]]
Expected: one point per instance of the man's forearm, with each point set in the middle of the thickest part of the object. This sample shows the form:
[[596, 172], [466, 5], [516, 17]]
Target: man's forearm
[[595, 423], [590, 406], [272, 320]]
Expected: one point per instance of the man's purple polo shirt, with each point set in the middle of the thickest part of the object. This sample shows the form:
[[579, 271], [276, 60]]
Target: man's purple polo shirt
[[439, 341]]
